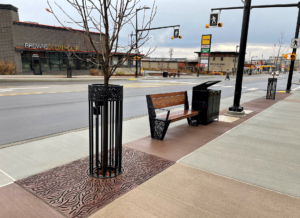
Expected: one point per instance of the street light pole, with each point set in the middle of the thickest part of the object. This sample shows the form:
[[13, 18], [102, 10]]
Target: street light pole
[[243, 45], [289, 83], [136, 44], [136, 38]]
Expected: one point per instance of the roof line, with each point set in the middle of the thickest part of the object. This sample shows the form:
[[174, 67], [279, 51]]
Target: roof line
[[52, 27], [39, 49]]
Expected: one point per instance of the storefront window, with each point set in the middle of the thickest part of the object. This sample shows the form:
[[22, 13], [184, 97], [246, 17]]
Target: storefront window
[[64, 64], [55, 64], [45, 64], [26, 64]]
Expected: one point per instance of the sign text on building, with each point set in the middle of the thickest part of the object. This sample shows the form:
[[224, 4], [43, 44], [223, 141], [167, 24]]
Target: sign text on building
[[51, 47]]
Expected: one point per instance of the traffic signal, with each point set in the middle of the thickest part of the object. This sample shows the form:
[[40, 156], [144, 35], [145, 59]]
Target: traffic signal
[[293, 56], [285, 56], [207, 26], [275, 60], [220, 24], [172, 37], [180, 37]]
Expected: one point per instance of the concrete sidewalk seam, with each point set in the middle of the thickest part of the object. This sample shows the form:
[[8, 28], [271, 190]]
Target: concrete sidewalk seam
[[6, 184], [239, 181], [7, 175], [227, 131]]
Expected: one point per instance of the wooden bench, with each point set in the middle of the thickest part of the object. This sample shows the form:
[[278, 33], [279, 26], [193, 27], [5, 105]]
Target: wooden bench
[[172, 74], [159, 124]]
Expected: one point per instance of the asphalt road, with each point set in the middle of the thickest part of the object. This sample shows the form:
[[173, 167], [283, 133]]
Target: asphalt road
[[34, 109]]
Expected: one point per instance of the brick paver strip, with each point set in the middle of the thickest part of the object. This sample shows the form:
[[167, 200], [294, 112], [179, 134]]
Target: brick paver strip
[[185, 192], [17, 202], [70, 190]]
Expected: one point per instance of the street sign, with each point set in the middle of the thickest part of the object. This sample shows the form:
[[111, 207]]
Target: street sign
[[295, 43], [214, 19], [176, 33], [204, 54], [205, 50]]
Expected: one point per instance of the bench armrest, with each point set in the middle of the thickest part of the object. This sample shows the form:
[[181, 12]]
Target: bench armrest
[[162, 110]]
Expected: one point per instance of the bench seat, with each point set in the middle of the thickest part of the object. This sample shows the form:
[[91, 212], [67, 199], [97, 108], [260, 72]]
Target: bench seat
[[179, 115]]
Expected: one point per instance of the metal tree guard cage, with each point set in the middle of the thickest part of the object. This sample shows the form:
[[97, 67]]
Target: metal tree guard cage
[[271, 91], [105, 143]]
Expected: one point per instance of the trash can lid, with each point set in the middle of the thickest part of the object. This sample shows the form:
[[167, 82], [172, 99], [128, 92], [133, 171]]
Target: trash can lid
[[205, 85]]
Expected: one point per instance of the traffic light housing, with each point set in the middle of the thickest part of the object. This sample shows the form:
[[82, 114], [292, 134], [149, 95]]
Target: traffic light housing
[[293, 56], [275, 60], [285, 56], [172, 37], [180, 37], [220, 24], [207, 26]]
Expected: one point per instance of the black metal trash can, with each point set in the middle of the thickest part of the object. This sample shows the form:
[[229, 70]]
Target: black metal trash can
[[105, 105], [207, 102], [165, 74], [69, 72], [178, 73], [271, 90]]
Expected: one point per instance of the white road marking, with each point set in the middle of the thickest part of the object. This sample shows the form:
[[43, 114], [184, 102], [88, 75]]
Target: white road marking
[[216, 85], [228, 86], [12, 89], [251, 89], [296, 88]]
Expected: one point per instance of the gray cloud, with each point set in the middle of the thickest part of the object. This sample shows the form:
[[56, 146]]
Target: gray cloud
[[265, 24]]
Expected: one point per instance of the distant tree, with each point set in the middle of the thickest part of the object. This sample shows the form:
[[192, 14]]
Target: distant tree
[[281, 47]]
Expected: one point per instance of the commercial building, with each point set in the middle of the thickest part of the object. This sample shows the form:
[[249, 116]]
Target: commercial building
[[170, 64], [220, 61], [43, 49]]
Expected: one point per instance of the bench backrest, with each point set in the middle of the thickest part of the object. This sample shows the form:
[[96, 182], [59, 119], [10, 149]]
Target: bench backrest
[[166, 100]]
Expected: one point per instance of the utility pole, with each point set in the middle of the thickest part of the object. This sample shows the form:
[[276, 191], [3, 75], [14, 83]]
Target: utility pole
[[289, 83]]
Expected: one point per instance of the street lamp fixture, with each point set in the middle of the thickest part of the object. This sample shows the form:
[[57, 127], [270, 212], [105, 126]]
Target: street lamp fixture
[[136, 37]]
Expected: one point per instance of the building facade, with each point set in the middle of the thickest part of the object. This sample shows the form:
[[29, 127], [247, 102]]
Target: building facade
[[220, 61], [42, 49]]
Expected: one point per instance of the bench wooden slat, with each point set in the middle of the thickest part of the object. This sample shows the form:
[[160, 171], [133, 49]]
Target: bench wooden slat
[[179, 115], [165, 100], [166, 95], [169, 104]]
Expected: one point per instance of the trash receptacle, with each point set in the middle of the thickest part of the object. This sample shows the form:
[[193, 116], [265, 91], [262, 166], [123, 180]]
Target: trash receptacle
[[207, 102], [165, 74], [178, 73]]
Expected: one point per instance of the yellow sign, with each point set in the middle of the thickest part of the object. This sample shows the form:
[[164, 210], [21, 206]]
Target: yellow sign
[[205, 37], [142, 70], [136, 58], [205, 41]]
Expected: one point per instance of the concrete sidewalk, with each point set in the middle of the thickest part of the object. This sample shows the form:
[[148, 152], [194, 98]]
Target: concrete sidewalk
[[237, 167]]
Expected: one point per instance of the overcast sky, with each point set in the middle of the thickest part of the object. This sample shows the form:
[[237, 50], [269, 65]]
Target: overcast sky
[[192, 15]]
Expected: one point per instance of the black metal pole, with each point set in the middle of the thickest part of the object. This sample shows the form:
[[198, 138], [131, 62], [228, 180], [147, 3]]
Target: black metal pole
[[243, 46], [136, 44], [235, 59], [289, 83]]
